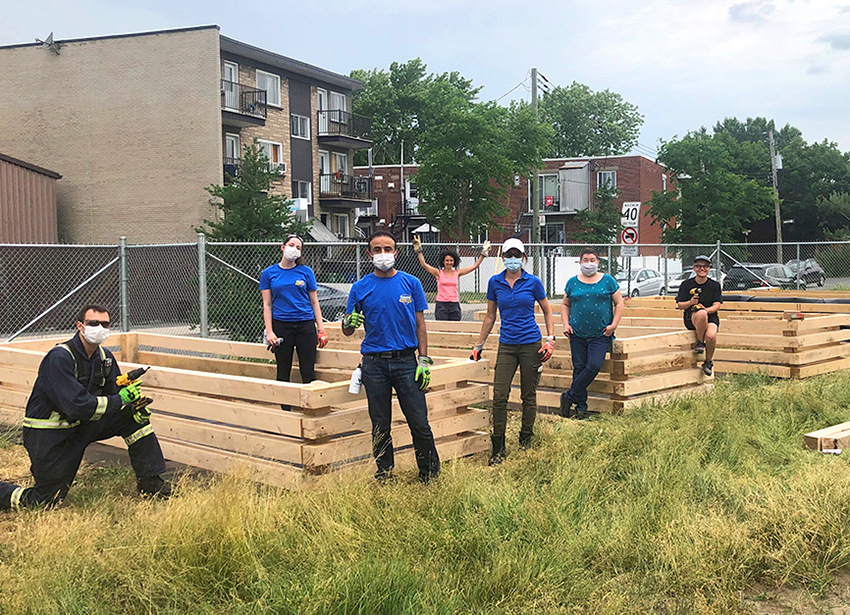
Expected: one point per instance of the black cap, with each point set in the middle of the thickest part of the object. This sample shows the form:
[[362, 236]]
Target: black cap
[[702, 257]]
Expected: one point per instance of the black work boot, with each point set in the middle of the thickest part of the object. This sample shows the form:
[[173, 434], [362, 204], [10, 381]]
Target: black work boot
[[525, 438], [155, 487], [497, 450], [566, 405]]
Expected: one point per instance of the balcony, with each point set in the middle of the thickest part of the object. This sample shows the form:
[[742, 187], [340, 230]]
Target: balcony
[[338, 189], [242, 105], [344, 129], [232, 167]]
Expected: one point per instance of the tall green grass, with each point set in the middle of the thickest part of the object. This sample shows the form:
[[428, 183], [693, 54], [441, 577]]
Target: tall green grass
[[674, 508]]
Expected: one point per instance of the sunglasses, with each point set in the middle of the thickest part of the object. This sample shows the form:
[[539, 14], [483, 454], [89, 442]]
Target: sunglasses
[[95, 323], [702, 266]]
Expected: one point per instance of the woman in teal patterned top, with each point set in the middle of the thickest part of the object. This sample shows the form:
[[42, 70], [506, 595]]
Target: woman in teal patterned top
[[590, 312]]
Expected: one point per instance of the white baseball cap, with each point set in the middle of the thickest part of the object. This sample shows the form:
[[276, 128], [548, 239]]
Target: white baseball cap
[[513, 243]]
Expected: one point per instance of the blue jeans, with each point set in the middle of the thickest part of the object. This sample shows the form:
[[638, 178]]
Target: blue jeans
[[380, 376], [588, 354]]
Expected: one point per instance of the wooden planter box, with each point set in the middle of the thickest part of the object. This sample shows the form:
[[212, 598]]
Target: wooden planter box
[[217, 406], [645, 364], [756, 336]]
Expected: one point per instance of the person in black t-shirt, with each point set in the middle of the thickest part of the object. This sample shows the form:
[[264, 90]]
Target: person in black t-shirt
[[700, 297]]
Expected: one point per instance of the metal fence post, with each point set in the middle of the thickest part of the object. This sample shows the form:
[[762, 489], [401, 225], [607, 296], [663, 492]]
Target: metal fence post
[[202, 285], [799, 265], [357, 259], [610, 257], [665, 269], [717, 260], [123, 284]]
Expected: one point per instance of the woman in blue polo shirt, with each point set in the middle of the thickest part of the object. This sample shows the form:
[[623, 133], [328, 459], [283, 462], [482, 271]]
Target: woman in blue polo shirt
[[514, 292], [291, 312], [590, 313]]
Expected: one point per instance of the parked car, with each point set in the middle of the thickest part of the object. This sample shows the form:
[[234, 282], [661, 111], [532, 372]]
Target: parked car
[[643, 282], [743, 276], [332, 302], [810, 271], [673, 285]]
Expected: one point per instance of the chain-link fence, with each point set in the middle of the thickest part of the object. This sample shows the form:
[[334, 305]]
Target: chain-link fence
[[210, 288]]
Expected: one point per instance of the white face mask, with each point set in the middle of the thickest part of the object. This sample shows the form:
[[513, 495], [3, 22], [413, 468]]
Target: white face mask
[[291, 253], [95, 335], [513, 264], [384, 261], [589, 269]]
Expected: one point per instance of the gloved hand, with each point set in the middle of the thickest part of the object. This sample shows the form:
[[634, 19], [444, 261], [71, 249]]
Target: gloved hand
[[547, 350], [485, 250], [353, 320], [322, 338], [476, 352], [423, 372], [417, 244], [131, 393]]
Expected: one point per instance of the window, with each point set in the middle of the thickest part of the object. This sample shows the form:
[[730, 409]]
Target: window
[[271, 84], [606, 178], [300, 126], [274, 152], [301, 190], [339, 102], [553, 233], [547, 187], [341, 163], [480, 237], [232, 151], [341, 224]]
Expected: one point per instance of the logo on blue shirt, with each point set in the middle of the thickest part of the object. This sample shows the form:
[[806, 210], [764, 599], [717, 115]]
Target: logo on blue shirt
[[405, 299], [300, 283]]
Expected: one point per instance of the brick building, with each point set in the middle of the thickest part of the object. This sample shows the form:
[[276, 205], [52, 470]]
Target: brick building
[[141, 123], [566, 185]]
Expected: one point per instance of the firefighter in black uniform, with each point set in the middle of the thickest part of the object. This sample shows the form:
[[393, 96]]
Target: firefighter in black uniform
[[75, 402]]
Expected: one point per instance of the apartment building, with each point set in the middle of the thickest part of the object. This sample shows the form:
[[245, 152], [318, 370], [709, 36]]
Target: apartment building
[[141, 123], [566, 186]]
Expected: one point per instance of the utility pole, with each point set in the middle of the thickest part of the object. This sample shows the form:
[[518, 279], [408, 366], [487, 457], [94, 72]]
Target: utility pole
[[779, 258], [535, 199]]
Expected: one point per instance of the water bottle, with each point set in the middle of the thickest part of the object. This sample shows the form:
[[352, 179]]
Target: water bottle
[[354, 386]]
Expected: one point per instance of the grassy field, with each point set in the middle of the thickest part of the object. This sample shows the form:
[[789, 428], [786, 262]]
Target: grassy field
[[706, 505]]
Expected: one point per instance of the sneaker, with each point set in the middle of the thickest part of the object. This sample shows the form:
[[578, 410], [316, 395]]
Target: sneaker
[[708, 368], [525, 439], [699, 348], [154, 487]]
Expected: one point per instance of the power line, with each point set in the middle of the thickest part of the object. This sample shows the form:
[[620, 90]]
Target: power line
[[521, 83]]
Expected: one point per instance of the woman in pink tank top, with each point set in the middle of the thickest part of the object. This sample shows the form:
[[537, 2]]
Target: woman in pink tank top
[[448, 277]]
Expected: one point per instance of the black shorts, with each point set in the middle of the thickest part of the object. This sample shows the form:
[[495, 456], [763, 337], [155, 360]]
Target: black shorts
[[711, 318], [447, 310]]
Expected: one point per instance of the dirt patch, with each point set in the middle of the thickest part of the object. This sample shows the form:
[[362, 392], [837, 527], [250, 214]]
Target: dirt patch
[[835, 600]]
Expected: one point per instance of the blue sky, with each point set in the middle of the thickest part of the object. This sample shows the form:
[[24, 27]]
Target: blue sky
[[684, 64]]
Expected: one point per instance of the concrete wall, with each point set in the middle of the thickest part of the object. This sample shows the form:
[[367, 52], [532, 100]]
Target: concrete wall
[[134, 124]]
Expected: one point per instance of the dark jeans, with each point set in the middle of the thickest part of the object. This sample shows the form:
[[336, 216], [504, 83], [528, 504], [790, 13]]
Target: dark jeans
[[300, 336], [380, 376], [588, 354], [447, 310], [509, 357]]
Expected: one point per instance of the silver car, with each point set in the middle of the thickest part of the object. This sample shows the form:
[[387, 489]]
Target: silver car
[[673, 285], [643, 282]]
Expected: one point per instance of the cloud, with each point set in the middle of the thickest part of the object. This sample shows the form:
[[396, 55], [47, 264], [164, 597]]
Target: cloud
[[751, 12], [839, 42], [844, 9], [818, 69]]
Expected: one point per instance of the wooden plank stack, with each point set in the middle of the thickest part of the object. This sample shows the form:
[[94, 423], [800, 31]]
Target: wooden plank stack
[[830, 438], [645, 364], [217, 406]]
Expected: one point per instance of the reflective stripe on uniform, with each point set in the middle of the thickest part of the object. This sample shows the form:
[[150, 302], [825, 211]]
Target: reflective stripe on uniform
[[54, 422], [16, 497], [101, 408], [139, 434], [70, 352]]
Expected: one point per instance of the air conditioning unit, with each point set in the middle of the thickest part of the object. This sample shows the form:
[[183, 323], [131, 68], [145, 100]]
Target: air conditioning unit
[[280, 166]]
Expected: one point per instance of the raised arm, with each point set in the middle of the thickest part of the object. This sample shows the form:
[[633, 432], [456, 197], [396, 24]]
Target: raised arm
[[432, 270], [485, 250]]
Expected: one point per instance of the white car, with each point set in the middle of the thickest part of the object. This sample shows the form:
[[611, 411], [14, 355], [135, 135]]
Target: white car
[[673, 286], [643, 282]]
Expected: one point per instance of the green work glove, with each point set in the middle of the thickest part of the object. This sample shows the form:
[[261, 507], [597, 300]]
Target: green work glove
[[131, 393], [353, 320], [423, 372]]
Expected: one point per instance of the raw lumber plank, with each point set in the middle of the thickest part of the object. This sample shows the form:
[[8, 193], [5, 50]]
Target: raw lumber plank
[[836, 436], [41, 345], [17, 377], [657, 340], [208, 365], [818, 322], [11, 416], [657, 382], [13, 397], [734, 367], [825, 367], [205, 345], [663, 396], [547, 398]]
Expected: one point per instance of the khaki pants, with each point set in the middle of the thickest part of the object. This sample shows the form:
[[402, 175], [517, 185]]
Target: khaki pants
[[511, 356]]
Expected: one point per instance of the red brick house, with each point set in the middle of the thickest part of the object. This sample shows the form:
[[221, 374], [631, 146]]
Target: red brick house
[[567, 186]]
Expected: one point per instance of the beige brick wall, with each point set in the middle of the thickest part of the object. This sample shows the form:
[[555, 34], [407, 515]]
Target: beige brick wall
[[133, 124], [276, 128]]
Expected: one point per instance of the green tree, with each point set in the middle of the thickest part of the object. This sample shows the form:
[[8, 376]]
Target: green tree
[[251, 212], [467, 160], [716, 201], [588, 123], [602, 223]]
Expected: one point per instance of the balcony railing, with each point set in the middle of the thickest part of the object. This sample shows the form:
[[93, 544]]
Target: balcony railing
[[345, 124], [243, 99], [341, 186]]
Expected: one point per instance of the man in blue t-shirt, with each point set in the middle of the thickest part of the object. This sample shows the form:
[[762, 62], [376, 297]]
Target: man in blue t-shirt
[[391, 305]]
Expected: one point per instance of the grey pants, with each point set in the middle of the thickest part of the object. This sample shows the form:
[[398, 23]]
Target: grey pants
[[509, 357]]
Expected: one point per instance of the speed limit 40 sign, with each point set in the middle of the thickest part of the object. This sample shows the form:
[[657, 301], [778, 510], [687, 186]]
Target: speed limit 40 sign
[[631, 214]]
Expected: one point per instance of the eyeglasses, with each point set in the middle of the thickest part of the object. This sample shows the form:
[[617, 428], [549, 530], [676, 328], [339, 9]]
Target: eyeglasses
[[95, 323], [702, 266]]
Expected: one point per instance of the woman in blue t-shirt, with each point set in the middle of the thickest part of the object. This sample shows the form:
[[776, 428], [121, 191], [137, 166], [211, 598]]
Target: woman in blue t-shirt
[[590, 312], [515, 292], [291, 312]]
